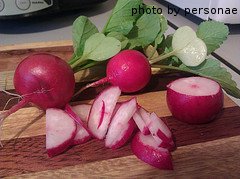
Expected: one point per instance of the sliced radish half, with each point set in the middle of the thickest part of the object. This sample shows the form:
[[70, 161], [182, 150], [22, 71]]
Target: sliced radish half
[[102, 110], [147, 150], [82, 110], [140, 123], [83, 134], [122, 125], [60, 131], [195, 100]]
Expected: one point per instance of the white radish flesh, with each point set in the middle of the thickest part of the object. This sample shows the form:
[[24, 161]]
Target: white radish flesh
[[60, 131], [122, 126], [140, 123], [102, 110], [158, 129]]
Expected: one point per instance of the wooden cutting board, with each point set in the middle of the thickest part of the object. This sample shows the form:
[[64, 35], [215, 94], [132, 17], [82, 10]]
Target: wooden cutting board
[[203, 151]]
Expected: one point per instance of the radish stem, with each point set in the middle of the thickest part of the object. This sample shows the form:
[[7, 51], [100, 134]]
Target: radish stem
[[13, 109], [94, 84], [162, 57]]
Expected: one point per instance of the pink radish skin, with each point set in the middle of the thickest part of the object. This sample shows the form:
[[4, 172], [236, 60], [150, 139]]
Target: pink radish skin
[[140, 123], [159, 130], [83, 134], [43, 79], [194, 100], [82, 111], [122, 125], [129, 69], [60, 131], [147, 150], [110, 97]]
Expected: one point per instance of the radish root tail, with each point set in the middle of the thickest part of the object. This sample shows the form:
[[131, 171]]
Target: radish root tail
[[92, 85]]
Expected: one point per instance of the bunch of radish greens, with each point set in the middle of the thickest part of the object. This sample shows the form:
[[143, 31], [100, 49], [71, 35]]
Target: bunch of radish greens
[[185, 50]]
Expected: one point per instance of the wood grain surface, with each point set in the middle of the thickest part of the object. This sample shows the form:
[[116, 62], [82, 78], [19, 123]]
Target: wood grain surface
[[203, 151]]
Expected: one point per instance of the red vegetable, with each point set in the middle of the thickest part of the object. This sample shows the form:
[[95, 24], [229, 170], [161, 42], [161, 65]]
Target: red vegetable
[[129, 70], [195, 100], [45, 80]]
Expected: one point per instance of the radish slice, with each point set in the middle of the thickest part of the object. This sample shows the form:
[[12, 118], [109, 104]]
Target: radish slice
[[83, 134], [140, 123], [147, 150], [60, 131], [161, 131], [82, 110], [99, 120], [158, 129], [122, 125]]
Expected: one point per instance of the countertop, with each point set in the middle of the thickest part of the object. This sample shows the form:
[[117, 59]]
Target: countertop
[[58, 28]]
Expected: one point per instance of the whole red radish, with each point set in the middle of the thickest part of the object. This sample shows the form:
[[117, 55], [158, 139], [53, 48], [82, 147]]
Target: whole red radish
[[194, 100], [45, 80], [129, 70]]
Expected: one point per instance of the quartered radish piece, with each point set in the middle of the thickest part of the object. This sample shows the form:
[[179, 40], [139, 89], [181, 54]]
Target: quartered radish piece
[[147, 150], [60, 131], [161, 131], [82, 110], [82, 135], [122, 125], [102, 110], [190, 49], [140, 123], [158, 129]]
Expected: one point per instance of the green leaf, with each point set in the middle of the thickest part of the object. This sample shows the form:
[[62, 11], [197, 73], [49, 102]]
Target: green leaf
[[99, 47], [83, 28], [213, 34], [122, 19], [212, 69], [145, 31], [119, 36], [163, 27]]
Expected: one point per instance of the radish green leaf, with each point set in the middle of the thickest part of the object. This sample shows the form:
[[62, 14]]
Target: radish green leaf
[[99, 47], [213, 34]]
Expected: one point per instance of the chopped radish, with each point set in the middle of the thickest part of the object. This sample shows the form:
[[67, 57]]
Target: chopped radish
[[83, 134], [194, 100], [122, 125], [158, 129], [82, 110], [102, 110], [147, 150], [60, 131], [140, 123]]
